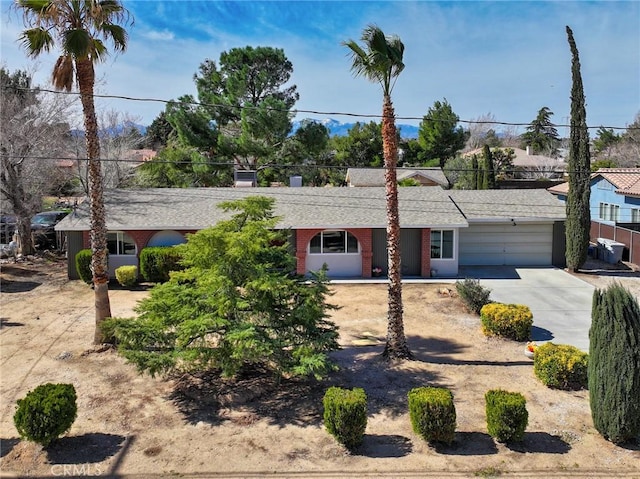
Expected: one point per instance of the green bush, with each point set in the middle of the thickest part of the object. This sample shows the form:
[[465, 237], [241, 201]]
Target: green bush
[[507, 415], [512, 321], [83, 265], [614, 364], [433, 414], [127, 276], [561, 366], [473, 294], [46, 413], [345, 414], [157, 262]]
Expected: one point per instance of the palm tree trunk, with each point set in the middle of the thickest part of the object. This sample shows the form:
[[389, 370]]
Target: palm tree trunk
[[99, 266], [396, 347]]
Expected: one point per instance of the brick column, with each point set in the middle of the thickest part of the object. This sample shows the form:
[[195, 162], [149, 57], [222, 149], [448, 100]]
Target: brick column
[[302, 241], [365, 238]]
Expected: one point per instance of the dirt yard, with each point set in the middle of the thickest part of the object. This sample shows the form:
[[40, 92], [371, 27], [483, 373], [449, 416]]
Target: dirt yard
[[130, 424]]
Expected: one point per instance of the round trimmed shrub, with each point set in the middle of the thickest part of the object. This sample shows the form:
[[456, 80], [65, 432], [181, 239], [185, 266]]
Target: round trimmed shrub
[[83, 265], [156, 262], [512, 321], [561, 366], [345, 414], [432, 414], [507, 415], [46, 413], [127, 275]]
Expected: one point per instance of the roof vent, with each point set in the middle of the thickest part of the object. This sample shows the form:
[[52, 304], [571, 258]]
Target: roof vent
[[245, 178]]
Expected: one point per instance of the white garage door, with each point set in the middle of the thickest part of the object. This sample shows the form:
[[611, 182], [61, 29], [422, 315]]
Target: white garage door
[[506, 244]]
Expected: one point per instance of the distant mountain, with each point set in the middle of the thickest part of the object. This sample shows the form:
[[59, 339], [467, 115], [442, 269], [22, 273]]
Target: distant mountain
[[337, 128]]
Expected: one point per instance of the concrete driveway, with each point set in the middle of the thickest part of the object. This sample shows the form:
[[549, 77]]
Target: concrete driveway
[[560, 303]]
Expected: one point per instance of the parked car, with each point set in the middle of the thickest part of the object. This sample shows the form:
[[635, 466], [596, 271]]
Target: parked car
[[7, 228], [43, 228]]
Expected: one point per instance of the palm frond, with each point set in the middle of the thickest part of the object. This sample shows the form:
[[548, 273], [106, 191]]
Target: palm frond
[[98, 50], [379, 58], [36, 40], [117, 34], [62, 76], [77, 42]]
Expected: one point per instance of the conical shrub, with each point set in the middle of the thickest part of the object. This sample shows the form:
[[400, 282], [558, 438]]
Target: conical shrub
[[614, 364]]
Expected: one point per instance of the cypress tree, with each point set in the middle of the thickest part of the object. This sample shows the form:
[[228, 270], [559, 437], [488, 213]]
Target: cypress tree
[[490, 173], [578, 222], [614, 364], [474, 167]]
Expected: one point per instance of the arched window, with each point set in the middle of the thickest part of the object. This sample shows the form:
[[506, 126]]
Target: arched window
[[334, 242], [166, 238]]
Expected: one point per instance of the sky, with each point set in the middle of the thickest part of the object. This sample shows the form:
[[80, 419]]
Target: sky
[[507, 59]]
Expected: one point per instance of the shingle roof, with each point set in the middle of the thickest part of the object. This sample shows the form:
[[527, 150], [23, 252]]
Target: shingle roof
[[305, 207], [522, 205], [309, 207], [375, 176]]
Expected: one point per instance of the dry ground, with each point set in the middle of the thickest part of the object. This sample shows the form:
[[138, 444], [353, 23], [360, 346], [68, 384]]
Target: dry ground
[[134, 425]]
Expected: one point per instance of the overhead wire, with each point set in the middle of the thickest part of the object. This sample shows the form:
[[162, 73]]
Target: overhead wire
[[297, 111]]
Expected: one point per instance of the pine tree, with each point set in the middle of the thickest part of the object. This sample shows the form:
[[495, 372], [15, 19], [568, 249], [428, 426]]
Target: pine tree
[[578, 222], [614, 364]]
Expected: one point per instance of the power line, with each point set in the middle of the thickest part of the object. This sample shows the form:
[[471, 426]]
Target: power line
[[296, 111]]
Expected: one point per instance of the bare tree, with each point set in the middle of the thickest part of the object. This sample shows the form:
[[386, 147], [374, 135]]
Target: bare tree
[[478, 130], [119, 137], [35, 127]]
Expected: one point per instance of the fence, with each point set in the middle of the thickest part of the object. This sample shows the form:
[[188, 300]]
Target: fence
[[630, 238]]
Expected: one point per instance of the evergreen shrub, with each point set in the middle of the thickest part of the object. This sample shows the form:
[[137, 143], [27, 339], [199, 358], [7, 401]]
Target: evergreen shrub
[[512, 321], [473, 294], [157, 262], [507, 415], [614, 364], [561, 366], [127, 275], [46, 413], [345, 414], [83, 265], [432, 414]]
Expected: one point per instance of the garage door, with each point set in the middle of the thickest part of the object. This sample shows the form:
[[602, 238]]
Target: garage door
[[506, 244]]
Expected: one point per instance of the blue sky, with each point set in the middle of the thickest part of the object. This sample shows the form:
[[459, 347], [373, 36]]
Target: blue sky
[[507, 58]]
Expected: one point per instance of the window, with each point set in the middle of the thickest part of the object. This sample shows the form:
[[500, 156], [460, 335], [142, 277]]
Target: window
[[635, 215], [442, 244], [333, 242], [120, 243], [609, 212]]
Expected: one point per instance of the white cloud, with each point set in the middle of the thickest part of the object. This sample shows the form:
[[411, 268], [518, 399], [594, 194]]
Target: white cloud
[[161, 35]]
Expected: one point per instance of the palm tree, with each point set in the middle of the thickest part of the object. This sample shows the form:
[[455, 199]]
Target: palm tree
[[79, 28], [380, 60]]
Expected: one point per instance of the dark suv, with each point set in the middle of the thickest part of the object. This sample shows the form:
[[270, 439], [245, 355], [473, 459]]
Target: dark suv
[[42, 228]]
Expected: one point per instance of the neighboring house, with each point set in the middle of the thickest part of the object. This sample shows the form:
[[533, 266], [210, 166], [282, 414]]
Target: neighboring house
[[615, 195], [375, 176], [615, 208], [345, 228], [529, 165]]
